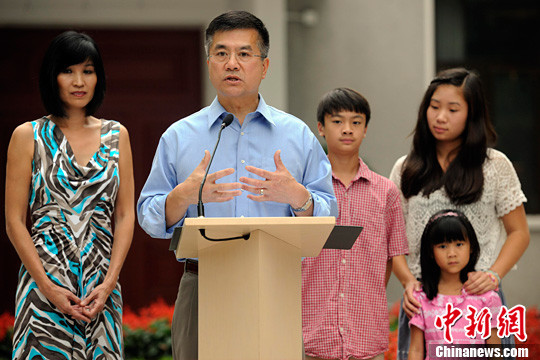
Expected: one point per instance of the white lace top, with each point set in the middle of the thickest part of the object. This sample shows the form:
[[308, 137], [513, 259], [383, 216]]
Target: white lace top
[[501, 194]]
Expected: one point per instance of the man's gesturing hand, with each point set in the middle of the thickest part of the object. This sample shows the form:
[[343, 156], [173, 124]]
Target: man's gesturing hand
[[187, 193], [279, 186]]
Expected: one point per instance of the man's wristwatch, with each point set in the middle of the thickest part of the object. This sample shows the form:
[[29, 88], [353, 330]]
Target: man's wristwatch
[[306, 205]]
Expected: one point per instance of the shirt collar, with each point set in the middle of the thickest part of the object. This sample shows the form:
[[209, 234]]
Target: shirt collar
[[362, 173], [217, 112]]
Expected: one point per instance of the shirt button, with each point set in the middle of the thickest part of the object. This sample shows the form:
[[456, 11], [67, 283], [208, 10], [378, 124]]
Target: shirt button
[[343, 261], [242, 161], [341, 329], [242, 133], [341, 295]]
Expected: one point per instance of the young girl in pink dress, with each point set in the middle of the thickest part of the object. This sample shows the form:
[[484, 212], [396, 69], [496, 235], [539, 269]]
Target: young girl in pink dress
[[449, 251]]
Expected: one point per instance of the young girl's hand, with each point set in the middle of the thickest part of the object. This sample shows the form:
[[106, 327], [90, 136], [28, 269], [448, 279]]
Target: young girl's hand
[[411, 306], [480, 282]]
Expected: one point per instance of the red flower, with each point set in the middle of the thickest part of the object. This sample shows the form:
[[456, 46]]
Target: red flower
[[392, 347], [532, 321], [147, 315], [158, 310], [394, 310], [6, 323]]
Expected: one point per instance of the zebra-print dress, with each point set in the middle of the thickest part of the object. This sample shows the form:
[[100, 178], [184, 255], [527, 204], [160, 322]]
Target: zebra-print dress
[[71, 209]]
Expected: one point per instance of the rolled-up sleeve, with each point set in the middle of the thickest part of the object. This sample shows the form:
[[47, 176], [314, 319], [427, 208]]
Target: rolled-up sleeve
[[318, 179], [161, 181]]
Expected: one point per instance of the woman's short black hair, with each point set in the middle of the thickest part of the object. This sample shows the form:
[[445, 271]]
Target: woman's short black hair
[[342, 99], [69, 48], [445, 226]]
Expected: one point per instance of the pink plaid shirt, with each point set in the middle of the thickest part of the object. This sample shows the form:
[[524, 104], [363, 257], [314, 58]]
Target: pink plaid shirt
[[344, 306]]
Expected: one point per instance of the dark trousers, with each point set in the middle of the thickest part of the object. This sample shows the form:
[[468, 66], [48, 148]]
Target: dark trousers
[[185, 323]]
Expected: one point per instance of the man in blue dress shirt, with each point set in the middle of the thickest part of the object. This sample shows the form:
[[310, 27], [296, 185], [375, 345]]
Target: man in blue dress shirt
[[268, 162]]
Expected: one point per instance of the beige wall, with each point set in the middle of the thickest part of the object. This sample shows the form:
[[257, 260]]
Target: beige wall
[[117, 13], [380, 48]]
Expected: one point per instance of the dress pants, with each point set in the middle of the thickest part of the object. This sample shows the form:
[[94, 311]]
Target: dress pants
[[185, 323]]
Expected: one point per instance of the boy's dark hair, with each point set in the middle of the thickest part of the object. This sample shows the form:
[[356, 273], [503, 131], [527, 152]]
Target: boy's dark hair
[[69, 48], [463, 181], [233, 20], [342, 99], [445, 226]]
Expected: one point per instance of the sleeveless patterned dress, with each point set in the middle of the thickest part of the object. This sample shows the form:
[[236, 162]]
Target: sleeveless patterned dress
[[71, 209]]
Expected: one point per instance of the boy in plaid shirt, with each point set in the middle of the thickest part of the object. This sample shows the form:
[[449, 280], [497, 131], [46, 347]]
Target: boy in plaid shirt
[[344, 306]]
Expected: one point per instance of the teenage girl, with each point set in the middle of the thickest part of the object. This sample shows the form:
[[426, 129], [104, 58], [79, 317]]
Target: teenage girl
[[449, 252], [452, 165]]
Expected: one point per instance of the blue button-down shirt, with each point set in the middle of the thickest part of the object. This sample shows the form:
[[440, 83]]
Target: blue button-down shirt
[[263, 132]]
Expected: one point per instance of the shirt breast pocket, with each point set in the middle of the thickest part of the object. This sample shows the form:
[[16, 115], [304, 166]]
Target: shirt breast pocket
[[374, 232]]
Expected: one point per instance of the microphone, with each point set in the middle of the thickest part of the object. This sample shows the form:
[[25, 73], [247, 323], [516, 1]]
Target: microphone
[[227, 120]]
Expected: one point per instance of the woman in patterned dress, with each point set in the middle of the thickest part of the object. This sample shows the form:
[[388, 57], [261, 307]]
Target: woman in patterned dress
[[75, 173]]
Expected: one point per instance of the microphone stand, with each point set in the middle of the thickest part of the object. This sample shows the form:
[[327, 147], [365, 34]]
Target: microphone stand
[[200, 206]]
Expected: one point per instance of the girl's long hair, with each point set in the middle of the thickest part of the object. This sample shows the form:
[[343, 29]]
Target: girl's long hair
[[445, 226], [463, 180]]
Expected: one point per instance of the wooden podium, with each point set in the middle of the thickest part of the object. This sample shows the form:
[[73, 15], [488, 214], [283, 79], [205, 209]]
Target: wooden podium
[[250, 290]]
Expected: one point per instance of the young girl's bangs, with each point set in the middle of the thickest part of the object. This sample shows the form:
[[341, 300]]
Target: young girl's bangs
[[447, 229]]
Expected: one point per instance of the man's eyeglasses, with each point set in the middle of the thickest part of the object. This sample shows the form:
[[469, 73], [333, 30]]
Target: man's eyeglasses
[[224, 56]]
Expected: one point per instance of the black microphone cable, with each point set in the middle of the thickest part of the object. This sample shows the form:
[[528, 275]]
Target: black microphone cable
[[227, 120]]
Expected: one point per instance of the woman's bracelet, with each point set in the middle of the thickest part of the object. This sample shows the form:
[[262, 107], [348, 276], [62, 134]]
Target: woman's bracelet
[[494, 276]]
